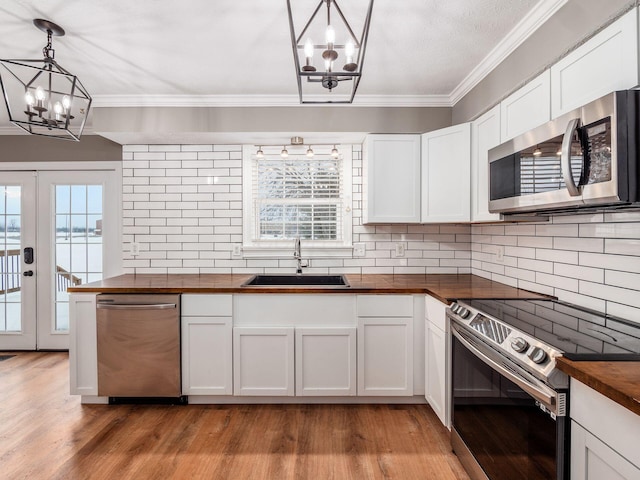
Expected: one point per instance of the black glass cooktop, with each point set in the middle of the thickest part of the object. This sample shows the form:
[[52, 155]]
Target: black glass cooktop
[[580, 333]]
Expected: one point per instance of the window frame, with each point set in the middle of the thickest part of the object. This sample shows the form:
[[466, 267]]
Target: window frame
[[253, 248]]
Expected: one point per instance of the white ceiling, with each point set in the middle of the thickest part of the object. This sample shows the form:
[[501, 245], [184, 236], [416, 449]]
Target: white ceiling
[[147, 51]]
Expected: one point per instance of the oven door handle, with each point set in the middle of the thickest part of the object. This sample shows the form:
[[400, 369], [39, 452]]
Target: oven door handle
[[135, 306], [541, 393]]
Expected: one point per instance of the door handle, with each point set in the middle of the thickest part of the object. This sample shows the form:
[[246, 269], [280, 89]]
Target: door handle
[[565, 158], [28, 273]]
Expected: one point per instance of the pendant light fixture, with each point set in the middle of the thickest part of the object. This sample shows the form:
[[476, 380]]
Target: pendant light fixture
[[342, 52], [42, 97]]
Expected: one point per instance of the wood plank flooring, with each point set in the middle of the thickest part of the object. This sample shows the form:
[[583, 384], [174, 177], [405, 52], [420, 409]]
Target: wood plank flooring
[[46, 433]]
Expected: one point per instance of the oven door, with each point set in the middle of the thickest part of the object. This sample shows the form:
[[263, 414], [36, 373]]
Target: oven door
[[503, 426]]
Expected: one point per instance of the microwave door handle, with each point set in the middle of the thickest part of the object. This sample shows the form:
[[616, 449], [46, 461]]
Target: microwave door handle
[[565, 158]]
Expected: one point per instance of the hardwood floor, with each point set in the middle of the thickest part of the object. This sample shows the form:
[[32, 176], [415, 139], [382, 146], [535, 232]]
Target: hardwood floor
[[47, 433]]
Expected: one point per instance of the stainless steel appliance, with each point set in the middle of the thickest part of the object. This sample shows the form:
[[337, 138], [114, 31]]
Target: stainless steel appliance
[[587, 157], [509, 402], [138, 345]]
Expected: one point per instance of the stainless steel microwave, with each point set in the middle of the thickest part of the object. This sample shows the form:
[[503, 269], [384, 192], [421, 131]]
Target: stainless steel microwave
[[587, 157]]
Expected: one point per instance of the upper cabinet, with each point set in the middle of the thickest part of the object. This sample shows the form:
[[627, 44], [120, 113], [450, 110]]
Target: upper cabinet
[[526, 108], [391, 179], [485, 134], [605, 63], [446, 173]]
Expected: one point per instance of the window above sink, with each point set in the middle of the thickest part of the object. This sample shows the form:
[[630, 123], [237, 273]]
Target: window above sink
[[284, 198]]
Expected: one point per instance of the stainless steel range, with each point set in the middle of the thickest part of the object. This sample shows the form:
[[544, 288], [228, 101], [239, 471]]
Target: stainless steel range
[[509, 401]]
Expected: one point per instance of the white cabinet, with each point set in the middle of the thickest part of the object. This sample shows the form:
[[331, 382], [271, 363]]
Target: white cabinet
[[263, 361], [446, 174], [83, 344], [527, 108], [391, 188], [485, 134], [604, 437], [605, 63], [207, 339], [385, 345], [592, 459], [325, 361], [437, 363]]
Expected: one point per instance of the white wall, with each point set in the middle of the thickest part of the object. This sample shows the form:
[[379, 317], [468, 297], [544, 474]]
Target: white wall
[[592, 260], [186, 221]]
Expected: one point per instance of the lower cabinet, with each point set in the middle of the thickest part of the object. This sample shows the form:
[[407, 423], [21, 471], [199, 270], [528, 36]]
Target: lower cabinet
[[325, 361], [385, 356], [207, 355], [83, 344], [263, 361], [592, 459], [604, 437], [437, 365]]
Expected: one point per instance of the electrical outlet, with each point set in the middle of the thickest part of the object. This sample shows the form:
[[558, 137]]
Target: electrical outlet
[[134, 249], [500, 254], [237, 250], [359, 250], [400, 249]]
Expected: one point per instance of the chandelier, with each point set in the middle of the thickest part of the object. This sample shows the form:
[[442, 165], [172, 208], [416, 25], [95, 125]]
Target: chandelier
[[342, 54], [43, 98]]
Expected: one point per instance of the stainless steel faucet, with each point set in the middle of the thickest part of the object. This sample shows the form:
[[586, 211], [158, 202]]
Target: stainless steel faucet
[[298, 256]]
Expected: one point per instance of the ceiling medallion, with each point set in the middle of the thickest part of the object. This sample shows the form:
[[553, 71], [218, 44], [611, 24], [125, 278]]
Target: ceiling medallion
[[337, 78], [43, 98]]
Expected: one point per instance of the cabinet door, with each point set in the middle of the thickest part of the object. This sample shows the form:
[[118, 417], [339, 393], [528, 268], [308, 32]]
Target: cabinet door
[[605, 63], [485, 134], [436, 368], [83, 344], [446, 175], [325, 361], [527, 108], [385, 356], [207, 356], [263, 361], [392, 179], [592, 459]]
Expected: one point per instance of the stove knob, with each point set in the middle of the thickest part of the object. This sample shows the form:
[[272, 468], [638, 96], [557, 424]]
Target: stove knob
[[455, 307], [519, 344], [537, 355], [463, 312]]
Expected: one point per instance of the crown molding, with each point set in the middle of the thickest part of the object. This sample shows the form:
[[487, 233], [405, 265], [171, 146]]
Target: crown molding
[[540, 13], [107, 101]]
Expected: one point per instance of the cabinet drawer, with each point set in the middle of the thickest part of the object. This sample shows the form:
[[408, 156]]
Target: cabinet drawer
[[435, 313], [385, 306], [207, 305]]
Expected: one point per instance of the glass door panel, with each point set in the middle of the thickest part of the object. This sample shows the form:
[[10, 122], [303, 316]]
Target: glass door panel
[[17, 232]]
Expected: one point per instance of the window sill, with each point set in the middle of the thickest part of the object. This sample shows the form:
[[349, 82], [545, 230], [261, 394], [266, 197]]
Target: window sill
[[306, 252]]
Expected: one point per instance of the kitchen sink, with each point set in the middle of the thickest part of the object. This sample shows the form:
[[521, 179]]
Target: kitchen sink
[[326, 281]]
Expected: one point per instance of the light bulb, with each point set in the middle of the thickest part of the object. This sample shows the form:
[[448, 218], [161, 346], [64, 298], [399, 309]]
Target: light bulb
[[29, 99], [260, 153], [66, 102], [330, 35], [40, 94], [537, 152], [57, 108], [349, 50], [284, 153], [309, 152], [334, 152], [308, 48]]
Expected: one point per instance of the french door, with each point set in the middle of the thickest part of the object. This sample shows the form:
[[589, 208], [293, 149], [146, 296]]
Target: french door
[[65, 229]]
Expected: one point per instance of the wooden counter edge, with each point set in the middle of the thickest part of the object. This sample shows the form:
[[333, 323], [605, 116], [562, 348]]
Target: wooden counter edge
[[617, 394]]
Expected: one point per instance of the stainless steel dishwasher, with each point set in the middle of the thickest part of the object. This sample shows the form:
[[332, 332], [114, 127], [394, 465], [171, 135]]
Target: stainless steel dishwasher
[[138, 345]]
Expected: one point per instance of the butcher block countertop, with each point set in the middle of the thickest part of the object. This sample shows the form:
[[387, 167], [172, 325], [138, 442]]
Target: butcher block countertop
[[445, 287], [619, 381]]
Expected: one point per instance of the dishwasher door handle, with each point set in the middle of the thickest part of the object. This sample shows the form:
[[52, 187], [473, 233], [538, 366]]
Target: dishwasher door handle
[[139, 306]]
